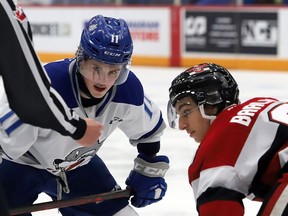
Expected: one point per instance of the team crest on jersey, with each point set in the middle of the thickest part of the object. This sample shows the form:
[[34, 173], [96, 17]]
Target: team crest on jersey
[[75, 158]]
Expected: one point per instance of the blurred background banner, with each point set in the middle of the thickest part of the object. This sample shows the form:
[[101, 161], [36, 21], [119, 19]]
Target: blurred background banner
[[237, 34], [57, 30], [231, 32], [238, 37]]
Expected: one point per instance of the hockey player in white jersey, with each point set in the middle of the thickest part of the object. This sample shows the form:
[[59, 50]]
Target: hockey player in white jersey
[[97, 84]]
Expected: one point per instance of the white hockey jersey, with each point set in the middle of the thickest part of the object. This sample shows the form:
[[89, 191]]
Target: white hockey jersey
[[125, 106]]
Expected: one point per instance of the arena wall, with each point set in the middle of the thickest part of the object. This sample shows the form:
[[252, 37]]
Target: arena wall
[[236, 37]]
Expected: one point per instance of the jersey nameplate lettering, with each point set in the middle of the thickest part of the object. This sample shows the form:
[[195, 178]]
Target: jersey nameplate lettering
[[244, 116]]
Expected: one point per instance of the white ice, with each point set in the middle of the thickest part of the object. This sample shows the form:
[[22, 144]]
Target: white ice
[[179, 200]]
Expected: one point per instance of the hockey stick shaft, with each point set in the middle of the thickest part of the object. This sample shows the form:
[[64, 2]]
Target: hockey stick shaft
[[72, 202]]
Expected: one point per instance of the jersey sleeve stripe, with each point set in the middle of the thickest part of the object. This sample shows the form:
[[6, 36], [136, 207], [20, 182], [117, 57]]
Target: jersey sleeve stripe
[[5, 117], [148, 111], [13, 127], [160, 122]]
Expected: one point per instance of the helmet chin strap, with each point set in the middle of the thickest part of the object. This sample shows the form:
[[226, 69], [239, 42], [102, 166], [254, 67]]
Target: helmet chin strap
[[204, 115]]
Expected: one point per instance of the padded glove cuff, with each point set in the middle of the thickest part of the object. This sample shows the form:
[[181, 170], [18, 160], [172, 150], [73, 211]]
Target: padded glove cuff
[[154, 169]]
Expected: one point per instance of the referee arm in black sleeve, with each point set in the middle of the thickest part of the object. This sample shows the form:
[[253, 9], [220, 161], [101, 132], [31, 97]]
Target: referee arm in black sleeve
[[26, 83]]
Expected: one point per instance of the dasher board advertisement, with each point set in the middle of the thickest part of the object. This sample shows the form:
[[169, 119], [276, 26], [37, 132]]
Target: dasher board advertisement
[[230, 32], [58, 29]]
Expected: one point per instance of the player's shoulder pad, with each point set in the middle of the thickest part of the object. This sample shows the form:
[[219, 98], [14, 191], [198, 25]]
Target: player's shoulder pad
[[130, 92], [59, 75]]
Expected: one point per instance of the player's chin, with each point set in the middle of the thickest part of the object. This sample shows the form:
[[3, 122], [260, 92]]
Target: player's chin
[[197, 139]]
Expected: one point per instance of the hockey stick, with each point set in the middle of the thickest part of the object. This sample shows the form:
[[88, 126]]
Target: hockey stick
[[72, 202]]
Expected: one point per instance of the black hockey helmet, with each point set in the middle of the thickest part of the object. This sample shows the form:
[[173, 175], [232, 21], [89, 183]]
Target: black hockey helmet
[[206, 83]]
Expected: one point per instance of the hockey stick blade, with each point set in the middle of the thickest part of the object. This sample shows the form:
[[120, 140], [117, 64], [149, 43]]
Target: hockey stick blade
[[72, 202]]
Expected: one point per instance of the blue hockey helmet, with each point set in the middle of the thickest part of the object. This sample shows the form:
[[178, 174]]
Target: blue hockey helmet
[[108, 40], [207, 84]]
